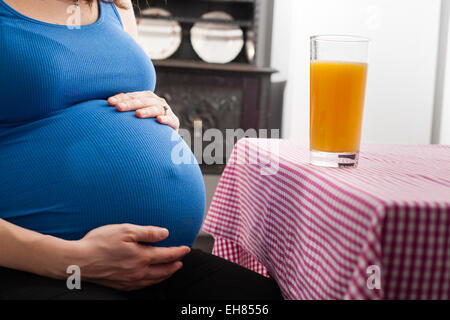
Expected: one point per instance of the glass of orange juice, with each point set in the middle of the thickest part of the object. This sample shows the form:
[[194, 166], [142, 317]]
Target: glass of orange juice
[[339, 67]]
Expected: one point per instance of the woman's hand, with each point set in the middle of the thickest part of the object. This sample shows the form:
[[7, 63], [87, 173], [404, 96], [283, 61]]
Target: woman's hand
[[147, 105], [112, 256]]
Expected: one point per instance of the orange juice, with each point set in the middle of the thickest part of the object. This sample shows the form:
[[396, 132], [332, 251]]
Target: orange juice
[[337, 104]]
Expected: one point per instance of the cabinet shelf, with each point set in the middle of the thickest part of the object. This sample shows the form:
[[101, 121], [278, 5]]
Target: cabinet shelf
[[200, 65], [245, 13], [190, 20]]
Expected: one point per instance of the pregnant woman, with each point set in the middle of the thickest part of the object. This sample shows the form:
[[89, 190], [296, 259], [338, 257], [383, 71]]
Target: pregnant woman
[[86, 175]]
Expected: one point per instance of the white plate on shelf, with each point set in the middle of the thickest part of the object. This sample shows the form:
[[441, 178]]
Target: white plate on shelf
[[160, 39], [217, 42], [250, 49]]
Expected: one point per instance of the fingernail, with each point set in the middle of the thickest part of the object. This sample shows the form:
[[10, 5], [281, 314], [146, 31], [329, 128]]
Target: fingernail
[[113, 100], [123, 105]]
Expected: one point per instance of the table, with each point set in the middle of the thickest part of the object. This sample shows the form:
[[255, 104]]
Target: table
[[381, 231]]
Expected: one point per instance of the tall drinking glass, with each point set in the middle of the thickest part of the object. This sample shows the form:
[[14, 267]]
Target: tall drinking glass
[[339, 67]]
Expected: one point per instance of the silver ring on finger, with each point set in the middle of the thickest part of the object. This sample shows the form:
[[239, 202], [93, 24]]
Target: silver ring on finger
[[166, 109]]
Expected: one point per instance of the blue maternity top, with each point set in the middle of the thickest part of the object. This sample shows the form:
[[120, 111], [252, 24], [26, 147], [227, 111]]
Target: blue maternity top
[[69, 162]]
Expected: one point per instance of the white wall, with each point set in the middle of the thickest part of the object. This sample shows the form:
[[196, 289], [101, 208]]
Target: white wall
[[402, 70], [282, 38], [445, 121]]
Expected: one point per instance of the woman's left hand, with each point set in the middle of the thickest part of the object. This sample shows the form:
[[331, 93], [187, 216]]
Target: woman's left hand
[[147, 105]]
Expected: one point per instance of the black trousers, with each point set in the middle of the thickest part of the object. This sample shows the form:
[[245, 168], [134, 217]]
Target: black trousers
[[203, 277]]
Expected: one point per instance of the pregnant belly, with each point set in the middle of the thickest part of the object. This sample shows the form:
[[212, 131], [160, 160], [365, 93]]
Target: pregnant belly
[[89, 166]]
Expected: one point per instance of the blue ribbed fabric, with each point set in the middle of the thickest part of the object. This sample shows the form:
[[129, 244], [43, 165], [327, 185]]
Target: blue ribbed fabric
[[68, 161]]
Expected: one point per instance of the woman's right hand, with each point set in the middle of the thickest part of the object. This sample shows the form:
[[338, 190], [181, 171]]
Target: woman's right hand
[[112, 256]]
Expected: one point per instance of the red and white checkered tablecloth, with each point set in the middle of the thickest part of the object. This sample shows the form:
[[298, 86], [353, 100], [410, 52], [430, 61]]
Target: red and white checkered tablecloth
[[329, 233]]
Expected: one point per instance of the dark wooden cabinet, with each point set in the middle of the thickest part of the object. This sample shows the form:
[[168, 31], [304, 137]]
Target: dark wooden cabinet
[[246, 13], [219, 96]]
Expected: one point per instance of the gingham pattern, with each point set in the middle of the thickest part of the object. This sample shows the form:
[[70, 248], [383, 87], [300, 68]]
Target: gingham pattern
[[236, 254], [318, 230]]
